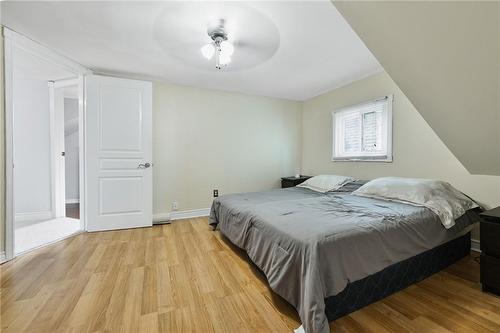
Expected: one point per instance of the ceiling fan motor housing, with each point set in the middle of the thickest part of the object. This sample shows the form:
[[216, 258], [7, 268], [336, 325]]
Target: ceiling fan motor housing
[[216, 31]]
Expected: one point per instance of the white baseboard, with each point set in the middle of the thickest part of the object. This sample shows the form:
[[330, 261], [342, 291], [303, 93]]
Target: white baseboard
[[475, 245], [179, 215], [34, 216], [2, 257], [72, 201], [186, 214]]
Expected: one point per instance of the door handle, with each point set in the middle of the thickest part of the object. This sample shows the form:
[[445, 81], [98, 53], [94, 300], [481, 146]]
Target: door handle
[[144, 166]]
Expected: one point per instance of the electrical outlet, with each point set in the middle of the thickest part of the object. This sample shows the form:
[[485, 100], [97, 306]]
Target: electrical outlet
[[216, 193], [175, 205]]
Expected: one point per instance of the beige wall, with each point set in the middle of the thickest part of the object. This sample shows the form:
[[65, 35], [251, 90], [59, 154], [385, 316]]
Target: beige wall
[[418, 151], [2, 154], [445, 56], [208, 139]]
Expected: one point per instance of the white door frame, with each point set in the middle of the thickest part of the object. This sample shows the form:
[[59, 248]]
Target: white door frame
[[13, 40], [57, 172]]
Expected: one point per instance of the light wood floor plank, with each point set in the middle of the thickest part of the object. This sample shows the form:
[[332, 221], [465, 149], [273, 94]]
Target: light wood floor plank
[[183, 277]]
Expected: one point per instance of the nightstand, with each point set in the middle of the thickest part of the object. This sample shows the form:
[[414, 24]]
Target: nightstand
[[490, 251], [293, 181]]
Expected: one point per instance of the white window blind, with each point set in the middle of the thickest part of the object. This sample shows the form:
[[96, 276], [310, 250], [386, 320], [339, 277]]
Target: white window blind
[[363, 131]]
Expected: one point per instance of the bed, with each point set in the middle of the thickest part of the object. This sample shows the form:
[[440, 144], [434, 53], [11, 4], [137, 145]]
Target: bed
[[331, 253]]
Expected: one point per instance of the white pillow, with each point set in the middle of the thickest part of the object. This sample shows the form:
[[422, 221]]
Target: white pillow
[[325, 183], [440, 197]]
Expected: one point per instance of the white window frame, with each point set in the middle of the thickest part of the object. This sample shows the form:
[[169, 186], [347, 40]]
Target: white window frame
[[368, 157]]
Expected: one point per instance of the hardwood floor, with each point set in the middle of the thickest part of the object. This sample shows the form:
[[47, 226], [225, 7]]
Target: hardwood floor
[[183, 277], [73, 210]]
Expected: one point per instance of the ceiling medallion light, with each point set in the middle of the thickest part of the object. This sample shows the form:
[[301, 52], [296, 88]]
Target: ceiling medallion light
[[220, 46]]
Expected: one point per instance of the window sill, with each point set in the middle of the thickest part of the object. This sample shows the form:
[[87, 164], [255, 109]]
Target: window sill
[[358, 159]]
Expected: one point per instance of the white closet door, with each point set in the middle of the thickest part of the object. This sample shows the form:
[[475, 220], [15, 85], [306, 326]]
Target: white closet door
[[118, 138]]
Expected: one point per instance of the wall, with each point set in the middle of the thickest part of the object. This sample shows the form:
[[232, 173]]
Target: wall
[[417, 150], [2, 148], [208, 139], [32, 148], [445, 56], [71, 143]]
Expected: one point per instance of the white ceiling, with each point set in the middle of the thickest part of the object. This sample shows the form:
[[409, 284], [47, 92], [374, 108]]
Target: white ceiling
[[29, 66], [317, 50]]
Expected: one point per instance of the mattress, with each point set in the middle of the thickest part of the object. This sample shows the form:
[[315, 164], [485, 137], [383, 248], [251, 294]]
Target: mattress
[[311, 245]]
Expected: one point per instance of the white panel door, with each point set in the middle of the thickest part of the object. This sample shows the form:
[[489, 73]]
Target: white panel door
[[118, 138]]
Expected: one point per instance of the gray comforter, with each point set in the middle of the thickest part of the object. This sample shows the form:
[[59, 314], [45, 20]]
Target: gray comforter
[[311, 245]]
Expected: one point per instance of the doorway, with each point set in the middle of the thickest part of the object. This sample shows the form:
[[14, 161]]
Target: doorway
[[113, 157], [44, 119]]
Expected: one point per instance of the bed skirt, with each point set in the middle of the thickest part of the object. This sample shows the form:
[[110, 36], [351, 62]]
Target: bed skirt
[[396, 277]]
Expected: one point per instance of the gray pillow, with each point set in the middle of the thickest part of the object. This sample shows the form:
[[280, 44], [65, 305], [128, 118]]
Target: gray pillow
[[439, 196]]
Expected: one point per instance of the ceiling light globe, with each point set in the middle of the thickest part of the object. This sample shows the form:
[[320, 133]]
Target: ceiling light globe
[[227, 48], [208, 51]]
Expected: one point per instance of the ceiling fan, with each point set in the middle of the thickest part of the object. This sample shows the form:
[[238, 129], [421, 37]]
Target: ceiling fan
[[220, 36], [220, 46]]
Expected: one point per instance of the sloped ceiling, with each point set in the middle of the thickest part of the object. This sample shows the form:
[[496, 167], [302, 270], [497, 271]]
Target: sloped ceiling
[[445, 56]]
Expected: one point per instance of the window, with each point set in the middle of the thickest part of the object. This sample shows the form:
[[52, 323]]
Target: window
[[363, 131]]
